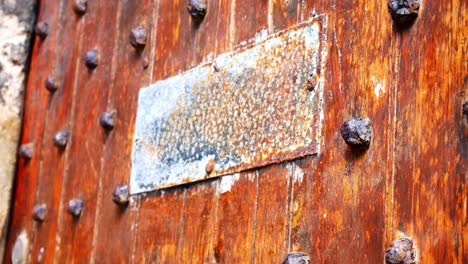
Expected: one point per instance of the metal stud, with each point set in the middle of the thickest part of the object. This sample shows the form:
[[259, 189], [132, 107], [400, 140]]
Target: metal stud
[[121, 195], [42, 29], [80, 7], [61, 139], [27, 150], [404, 11], [39, 212], [357, 133], [465, 110], [138, 38], [402, 251], [75, 207], [210, 166], [297, 258], [91, 58], [197, 9], [107, 120], [51, 84]]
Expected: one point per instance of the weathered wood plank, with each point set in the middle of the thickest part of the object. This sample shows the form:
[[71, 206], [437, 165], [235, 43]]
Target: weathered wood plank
[[175, 41], [212, 34], [430, 176], [86, 146], [247, 19], [285, 14], [160, 227], [51, 172], [272, 214], [36, 100], [237, 210], [130, 75], [343, 225], [197, 239]]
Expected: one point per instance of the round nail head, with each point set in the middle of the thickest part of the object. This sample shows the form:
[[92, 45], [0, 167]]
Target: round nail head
[[121, 195], [357, 133], [39, 212], [402, 251]]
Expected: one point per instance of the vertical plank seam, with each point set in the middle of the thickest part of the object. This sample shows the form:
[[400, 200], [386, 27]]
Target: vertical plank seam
[[289, 203], [135, 230], [101, 170], [154, 42], [232, 25], [395, 108], [216, 223], [180, 243], [255, 217], [271, 26]]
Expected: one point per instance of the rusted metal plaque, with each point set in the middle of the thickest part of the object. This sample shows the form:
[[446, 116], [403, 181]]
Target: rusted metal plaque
[[258, 105]]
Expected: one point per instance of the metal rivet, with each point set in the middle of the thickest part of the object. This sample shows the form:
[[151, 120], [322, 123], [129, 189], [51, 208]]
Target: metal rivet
[[91, 59], [312, 81], [121, 195], [42, 29], [297, 258], [61, 139], [107, 120], [145, 63], [401, 250], [197, 9], [210, 166], [75, 207], [51, 84], [465, 110], [39, 212], [404, 11], [26, 150], [80, 7], [357, 133], [138, 38]]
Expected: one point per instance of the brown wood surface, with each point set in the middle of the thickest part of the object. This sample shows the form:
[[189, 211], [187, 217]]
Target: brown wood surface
[[339, 206]]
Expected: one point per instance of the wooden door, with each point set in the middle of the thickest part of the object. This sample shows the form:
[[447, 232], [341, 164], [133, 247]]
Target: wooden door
[[337, 205]]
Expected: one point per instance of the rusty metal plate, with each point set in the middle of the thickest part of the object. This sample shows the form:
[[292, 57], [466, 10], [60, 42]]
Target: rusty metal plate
[[258, 105]]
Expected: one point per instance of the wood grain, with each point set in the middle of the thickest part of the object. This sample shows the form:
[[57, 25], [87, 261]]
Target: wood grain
[[117, 246], [51, 172], [36, 101], [86, 146], [430, 175]]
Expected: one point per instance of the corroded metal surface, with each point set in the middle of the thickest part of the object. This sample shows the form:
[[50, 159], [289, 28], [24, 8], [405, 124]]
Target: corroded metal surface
[[245, 109]]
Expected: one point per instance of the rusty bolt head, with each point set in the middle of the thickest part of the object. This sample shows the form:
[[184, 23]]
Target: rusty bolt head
[[357, 133], [197, 9], [465, 110], [75, 207], [91, 59], [26, 150], [145, 63], [61, 139], [51, 84], [42, 29], [210, 166], [138, 38], [297, 258], [312, 82], [121, 196], [80, 7], [39, 212], [404, 11], [107, 120], [401, 251]]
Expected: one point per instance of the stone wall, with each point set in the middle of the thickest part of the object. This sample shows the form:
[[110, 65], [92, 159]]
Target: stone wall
[[16, 23]]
